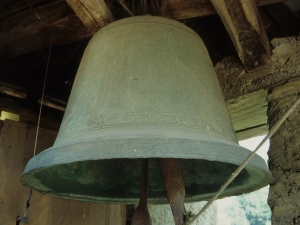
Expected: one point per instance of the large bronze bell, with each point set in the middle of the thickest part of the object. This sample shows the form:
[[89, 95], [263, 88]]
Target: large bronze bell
[[145, 88]]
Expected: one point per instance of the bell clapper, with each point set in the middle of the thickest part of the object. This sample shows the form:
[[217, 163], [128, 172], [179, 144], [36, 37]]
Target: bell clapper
[[174, 189], [141, 215]]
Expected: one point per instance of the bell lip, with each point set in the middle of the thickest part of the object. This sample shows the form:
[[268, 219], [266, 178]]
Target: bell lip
[[265, 180], [55, 156]]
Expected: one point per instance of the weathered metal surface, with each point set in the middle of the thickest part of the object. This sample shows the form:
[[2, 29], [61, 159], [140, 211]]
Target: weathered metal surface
[[145, 88]]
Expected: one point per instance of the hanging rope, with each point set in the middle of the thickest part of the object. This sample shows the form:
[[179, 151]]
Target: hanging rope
[[25, 217], [239, 169], [43, 93], [33, 11]]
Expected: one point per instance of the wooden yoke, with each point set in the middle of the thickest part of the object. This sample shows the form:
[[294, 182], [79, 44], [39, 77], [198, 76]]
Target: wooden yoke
[[174, 189]]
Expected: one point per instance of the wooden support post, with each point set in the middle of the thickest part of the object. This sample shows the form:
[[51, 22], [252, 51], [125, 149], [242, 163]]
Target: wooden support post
[[245, 28], [93, 13], [284, 155]]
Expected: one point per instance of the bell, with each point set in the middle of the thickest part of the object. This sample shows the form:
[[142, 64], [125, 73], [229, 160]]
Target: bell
[[145, 88]]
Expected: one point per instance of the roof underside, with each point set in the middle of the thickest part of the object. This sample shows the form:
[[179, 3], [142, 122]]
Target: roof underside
[[27, 27]]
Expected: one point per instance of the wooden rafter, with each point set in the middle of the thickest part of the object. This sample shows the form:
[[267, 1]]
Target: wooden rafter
[[244, 25], [9, 7], [93, 13], [287, 19], [23, 32], [184, 9]]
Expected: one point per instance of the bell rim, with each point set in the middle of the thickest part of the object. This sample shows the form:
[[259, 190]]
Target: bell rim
[[265, 177], [55, 156]]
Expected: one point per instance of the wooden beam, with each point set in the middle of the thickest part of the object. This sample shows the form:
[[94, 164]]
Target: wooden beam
[[248, 114], [245, 28], [29, 118], [20, 93], [21, 24], [184, 9], [93, 13], [284, 67], [12, 91], [24, 32], [52, 104], [10, 7], [252, 132]]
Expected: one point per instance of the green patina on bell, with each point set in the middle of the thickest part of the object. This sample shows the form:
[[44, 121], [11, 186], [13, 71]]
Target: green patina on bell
[[145, 88]]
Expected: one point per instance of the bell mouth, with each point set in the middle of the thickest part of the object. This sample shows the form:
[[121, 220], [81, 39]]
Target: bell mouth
[[83, 172]]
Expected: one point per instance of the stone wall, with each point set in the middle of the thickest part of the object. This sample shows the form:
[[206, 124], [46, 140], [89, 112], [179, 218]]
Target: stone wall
[[284, 155]]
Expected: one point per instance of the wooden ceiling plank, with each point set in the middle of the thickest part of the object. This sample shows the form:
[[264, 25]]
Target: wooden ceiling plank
[[248, 111], [12, 91], [245, 28], [10, 7], [93, 13], [187, 9], [252, 132], [287, 19], [184, 9], [26, 22], [24, 32], [21, 94], [52, 104], [268, 2]]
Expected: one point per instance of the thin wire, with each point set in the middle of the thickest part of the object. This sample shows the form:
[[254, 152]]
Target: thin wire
[[42, 100], [239, 169], [33, 11], [68, 32], [121, 2]]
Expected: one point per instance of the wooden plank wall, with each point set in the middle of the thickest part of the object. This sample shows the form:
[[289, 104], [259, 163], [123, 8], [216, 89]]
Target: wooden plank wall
[[16, 148], [248, 114]]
